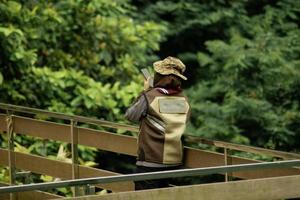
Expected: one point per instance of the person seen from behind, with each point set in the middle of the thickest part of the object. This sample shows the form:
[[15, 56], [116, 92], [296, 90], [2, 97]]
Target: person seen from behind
[[162, 112]]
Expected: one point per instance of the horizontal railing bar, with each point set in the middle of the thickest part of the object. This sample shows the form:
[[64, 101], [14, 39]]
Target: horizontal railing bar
[[59, 169], [100, 139], [68, 117], [196, 158], [286, 187], [31, 195], [240, 147], [150, 176], [88, 137], [188, 137]]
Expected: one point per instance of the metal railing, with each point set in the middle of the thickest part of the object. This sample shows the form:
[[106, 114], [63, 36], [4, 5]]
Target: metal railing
[[187, 137], [150, 176], [74, 118], [13, 111], [12, 122], [239, 147]]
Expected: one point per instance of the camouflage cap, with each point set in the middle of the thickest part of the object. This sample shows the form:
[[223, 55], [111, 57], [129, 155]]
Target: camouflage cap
[[170, 65]]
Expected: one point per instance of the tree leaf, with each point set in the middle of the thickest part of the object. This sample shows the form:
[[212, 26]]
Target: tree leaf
[[1, 78], [14, 7]]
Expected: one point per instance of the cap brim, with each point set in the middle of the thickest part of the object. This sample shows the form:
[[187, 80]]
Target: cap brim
[[181, 76], [159, 69]]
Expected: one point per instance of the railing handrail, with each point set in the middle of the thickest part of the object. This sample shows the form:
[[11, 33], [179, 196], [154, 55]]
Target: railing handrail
[[240, 147], [63, 116], [187, 137], [150, 176]]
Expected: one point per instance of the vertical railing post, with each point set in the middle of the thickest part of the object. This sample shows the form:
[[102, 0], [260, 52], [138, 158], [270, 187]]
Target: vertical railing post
[[227, 161], [89, 190], [74, 149], [44, 147], [11, 155]]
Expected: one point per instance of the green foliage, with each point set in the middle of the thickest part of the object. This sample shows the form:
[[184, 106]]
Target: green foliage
[[251, 79], [4, 175], [74, 56], [77, 93]]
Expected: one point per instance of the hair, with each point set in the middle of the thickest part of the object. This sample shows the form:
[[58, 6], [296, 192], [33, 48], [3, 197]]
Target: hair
[[166, 81]]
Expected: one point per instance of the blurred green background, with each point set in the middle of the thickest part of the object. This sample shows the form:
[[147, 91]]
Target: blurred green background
[[84, 57]]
